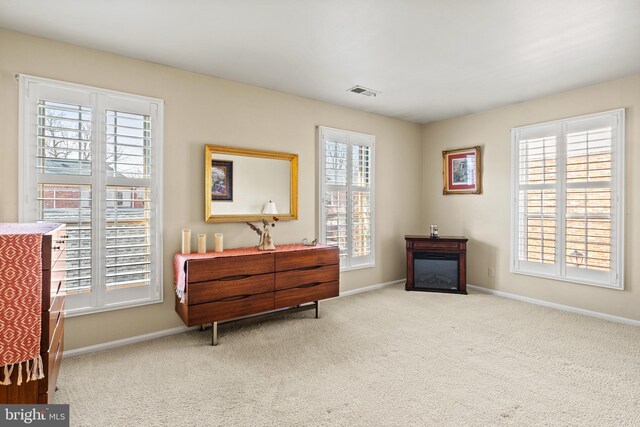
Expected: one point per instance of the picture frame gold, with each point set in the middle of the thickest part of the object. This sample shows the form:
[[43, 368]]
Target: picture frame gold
[[461, 171]]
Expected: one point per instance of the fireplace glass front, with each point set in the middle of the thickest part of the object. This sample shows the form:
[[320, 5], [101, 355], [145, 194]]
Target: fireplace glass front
[[435, 271]]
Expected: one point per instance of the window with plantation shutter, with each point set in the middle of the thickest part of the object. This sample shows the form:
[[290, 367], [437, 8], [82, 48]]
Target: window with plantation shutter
[[568, 199], [346, 164], [91, 158], [128, 207]]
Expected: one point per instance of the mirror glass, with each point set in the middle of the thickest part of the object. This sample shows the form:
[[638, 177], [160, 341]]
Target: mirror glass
[[249, 185]]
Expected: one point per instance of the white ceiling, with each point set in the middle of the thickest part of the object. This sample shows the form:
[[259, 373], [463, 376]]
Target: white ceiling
[[431, 59]]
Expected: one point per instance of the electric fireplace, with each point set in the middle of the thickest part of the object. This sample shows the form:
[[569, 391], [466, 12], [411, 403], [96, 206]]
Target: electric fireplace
[[436, 264]]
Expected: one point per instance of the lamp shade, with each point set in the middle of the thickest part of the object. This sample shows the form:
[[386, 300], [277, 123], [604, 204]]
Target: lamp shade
[[269, 208]]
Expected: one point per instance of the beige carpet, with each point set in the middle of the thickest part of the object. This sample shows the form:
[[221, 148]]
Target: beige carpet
[[387, 357]]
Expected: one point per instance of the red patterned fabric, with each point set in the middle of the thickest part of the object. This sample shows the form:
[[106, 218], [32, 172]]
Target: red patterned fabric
[[20, 298], [179, 260]]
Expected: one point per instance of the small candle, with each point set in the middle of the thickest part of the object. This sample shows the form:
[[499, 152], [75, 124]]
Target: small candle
[[218, 242], [186, 241], [202, 243]]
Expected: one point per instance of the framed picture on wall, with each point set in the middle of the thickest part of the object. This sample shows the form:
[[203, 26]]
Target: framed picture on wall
[[461, 171], [222, 180]]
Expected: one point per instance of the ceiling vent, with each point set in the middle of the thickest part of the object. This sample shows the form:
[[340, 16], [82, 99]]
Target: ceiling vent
[[363, 91]]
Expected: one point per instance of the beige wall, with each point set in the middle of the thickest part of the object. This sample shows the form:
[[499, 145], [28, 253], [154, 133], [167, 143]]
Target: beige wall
[[485, 218], [199, 110]]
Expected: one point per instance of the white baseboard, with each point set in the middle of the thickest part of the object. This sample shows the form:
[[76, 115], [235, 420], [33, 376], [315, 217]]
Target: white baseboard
[[370, 288], [126, 341], [562, 307], [180, 329]]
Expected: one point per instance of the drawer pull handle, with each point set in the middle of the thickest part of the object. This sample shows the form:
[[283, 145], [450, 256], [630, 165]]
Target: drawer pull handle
[[57, 248], [236, 298], [310, 285], [60, 241], [313, 267], [241, 276]]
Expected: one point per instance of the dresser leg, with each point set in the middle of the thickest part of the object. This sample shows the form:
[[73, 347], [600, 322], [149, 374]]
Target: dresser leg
[[214, 333], [317, 310], [201, 327]]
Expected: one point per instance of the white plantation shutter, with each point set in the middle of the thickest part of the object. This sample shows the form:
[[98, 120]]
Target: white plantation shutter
[[346, 161], [130, 230], [128, 145], [91, 158], [64, 138], [537, 198], [361, 213], [63, 178], [568, 199], [335, 196], [71, 204]]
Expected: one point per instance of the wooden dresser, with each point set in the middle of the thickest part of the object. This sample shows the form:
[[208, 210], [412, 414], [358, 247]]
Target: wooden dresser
[[52, 321], [244, 282]]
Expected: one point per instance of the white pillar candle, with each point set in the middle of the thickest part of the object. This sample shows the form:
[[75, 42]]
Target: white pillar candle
[[202, 243], [186, 241], [218, 242]]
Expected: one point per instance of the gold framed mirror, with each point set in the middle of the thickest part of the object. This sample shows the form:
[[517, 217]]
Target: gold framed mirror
[[242, 184]]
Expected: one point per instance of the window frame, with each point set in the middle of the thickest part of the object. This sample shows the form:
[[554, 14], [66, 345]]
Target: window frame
[[348, 262], [99, 299], [559, 270]]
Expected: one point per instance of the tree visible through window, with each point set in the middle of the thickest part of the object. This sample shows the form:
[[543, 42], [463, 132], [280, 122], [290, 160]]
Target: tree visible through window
[[568, 195], [93, 163]]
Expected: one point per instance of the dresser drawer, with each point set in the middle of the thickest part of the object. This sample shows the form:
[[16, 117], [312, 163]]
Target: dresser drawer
[[202, 270], [51, 363], [214, 290], [308, 275], [230, 308], [54, 369], [60, 262], [52, 285], [53, 246], [307, 258], [51, 320], [58, 248], [306, 293]]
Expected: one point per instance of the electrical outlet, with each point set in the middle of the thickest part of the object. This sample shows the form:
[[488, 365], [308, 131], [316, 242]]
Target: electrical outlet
[[492, 272]]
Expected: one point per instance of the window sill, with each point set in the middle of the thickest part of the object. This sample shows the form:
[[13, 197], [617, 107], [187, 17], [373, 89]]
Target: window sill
[[619, 287], [357, 267], [111, 307]]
